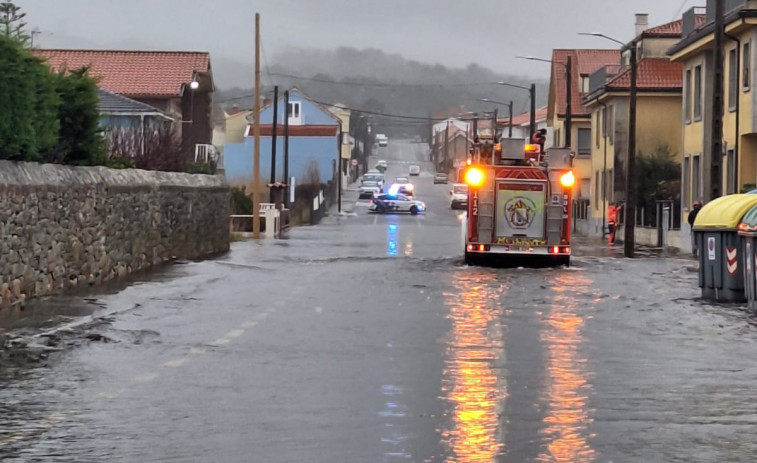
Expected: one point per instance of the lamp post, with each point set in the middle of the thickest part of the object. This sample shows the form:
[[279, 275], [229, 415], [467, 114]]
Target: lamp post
[[630, 207], [509, 107], [532, 95], [568, 66]]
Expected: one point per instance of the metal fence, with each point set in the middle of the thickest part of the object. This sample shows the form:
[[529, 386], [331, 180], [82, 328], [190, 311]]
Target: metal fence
[[650, 215]]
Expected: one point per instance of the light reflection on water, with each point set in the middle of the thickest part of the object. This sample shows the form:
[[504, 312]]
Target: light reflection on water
[[473, 382], [391, 242], [568, 414]]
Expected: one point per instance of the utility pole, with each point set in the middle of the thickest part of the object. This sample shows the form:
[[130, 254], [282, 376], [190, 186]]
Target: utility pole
[[532, 94], [286, 147], [340, 141], [716, 177], [256, 132], [630, 226], [510, 132], [568, 102], [273, 139]]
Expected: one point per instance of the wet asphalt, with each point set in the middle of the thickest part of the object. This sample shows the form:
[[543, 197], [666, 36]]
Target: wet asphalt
[[365, 339]]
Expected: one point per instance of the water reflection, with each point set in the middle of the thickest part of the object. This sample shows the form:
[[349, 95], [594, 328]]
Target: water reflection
[[391, 242], [568, 414], [409, 248], [473, 381]]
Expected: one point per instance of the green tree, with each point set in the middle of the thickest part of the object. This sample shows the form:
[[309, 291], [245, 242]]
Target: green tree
[[80, 141], [12, 24], [28, 104]]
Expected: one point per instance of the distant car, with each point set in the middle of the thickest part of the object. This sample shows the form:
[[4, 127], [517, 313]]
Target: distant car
[[388, 202], [415, 169], [371, 184], [440, 177], [382, 139], [458, 196], [402, 185], [381, 163], [418, 139]]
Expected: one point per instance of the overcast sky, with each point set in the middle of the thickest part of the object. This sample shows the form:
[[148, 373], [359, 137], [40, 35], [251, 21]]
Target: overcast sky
[[450, 32]]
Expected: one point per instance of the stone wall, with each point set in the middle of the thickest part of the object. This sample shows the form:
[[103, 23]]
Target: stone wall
[[62, 227]]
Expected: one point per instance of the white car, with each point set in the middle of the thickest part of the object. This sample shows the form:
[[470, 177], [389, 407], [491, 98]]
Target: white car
[[403, 186], [458, 196], [382, 163], [371, 184], [382, 139], [415, 169], [396, 203]]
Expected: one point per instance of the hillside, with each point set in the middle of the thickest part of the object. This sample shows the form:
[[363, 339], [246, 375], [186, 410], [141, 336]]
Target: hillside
[[373, 80]]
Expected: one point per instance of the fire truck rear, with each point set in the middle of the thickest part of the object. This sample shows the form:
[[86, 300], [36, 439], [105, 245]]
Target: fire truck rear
[[518, 204]]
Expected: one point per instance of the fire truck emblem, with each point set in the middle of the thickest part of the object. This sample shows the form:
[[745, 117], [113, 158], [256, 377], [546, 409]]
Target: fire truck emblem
[[520, 212]]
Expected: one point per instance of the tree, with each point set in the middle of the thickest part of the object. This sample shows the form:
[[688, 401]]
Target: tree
[[80, 141], [12, 24], [28, 104]]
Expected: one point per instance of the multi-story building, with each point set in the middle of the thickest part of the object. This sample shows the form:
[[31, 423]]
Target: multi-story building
[[658, 110], [583, 64], [695, 52]]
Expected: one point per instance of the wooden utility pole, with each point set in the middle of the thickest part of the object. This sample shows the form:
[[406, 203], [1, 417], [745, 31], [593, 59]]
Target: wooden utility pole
[[273, 139], [256, 133], [629, 240]]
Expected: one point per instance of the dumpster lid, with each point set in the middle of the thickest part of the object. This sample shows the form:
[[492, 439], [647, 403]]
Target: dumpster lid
[[749, 222], [725, 211]]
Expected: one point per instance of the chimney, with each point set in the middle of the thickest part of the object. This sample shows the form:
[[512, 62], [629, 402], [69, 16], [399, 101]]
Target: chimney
[[642, 23], [234, 110]]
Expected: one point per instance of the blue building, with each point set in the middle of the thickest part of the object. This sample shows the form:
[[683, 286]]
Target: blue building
[[313, 143]]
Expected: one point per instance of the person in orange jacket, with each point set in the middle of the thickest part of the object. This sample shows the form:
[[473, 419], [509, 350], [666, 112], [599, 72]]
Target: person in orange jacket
[[612, 222]]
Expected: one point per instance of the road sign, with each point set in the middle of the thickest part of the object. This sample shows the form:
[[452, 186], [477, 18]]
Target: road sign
[[711, 247], [354, 162]]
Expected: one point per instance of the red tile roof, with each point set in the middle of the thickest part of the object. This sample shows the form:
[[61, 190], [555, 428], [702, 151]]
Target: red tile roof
[[674, 28], [584, 62], [525, 118], [157, 74], [652, 74]]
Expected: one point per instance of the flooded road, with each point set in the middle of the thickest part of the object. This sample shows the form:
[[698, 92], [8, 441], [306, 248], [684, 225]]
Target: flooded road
[[365, 339]]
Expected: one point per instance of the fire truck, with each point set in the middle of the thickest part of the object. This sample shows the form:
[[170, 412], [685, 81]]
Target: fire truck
[[519, 204]]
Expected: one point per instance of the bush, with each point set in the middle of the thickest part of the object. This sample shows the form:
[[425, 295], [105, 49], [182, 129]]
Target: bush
[[28, 104], [79, 140]]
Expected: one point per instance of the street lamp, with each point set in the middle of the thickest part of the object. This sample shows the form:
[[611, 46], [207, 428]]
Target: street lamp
[[630, 226], [568, 92], [532, 95], [509, 106]]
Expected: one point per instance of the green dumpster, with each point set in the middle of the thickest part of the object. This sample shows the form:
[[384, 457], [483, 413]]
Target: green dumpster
[[721, 261], [748, 232]]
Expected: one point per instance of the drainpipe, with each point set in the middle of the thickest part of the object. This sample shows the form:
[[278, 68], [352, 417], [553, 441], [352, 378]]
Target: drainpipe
[[604, 170], [738, 104], [142, 142]]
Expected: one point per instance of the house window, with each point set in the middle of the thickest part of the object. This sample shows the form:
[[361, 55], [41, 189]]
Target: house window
[[731, 172], [697, 93], [294, 109], [686, 193], [611, 124], [733, 80], [687, 97], [597, 189], [609, 186], [584, 142], [585, 188], [557, 137], [597, 121], [584, 84], [746, 63], [695, 175]]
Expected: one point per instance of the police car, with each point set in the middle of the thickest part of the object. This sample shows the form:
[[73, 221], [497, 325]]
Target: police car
[[389, 202]]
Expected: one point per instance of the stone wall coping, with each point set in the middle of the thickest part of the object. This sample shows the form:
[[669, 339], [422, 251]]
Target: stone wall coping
[[53, 175]]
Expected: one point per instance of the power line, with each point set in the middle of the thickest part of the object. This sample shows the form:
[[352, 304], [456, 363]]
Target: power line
[[680, 9]]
